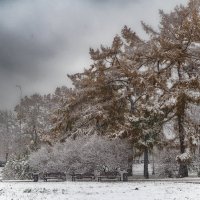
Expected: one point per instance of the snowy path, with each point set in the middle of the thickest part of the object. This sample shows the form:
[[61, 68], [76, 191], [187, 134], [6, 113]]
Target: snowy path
[[98, 191]]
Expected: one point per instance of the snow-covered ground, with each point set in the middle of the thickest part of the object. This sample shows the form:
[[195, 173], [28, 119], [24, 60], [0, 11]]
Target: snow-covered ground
[[99, 191]]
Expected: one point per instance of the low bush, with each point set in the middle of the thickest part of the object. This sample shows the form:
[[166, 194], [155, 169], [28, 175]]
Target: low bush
[[82, 155]]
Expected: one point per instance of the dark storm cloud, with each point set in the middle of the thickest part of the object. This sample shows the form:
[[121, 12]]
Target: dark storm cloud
[[121, 2], [26, 40], [43, 40], [17, 50]]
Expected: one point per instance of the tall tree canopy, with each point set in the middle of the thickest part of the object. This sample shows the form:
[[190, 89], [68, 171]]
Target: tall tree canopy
[[135, 86]]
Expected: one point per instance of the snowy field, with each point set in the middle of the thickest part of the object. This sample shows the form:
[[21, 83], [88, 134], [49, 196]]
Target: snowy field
[[141, 190], [99, 191]]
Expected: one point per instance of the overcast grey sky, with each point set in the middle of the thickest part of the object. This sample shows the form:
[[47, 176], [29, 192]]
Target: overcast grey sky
[[41, 41]]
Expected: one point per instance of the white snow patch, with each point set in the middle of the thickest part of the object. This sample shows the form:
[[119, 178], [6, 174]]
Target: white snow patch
[[98, 191]]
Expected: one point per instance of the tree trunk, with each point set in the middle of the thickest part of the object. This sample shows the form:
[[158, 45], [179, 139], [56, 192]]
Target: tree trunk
[[146, 163], [183, 170], [153, 167], [130, 165]]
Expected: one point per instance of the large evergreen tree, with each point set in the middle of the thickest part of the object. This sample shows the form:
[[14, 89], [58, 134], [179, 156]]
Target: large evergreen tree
[[115, 96], [175, 60]]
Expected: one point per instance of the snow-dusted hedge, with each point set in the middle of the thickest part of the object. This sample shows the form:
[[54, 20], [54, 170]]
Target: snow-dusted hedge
[[82, 155], [17, 168]]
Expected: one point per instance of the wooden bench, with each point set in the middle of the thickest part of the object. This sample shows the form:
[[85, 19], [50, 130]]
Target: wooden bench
[[54, 176], [88, 176], [109, 176]]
